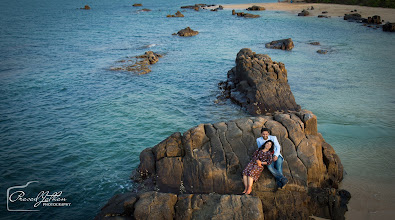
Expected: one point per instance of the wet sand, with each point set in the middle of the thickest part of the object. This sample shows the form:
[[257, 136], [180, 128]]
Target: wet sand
[[334, 10]]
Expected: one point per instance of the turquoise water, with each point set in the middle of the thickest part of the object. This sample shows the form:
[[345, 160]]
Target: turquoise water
[[70, 123]]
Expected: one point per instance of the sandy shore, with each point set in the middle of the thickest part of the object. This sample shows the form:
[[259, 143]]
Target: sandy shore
[[334, 10]]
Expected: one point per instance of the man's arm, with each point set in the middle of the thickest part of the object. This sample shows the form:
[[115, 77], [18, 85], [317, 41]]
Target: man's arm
[[258, 142], [277, 147]]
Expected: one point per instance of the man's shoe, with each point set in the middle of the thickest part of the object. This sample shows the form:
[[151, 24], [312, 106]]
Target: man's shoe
[[283, 181]]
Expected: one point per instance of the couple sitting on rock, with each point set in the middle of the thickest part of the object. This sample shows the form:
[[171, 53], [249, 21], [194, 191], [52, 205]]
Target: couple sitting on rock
[[268, 153]]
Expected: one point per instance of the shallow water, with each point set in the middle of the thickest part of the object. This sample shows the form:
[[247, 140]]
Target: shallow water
[[70, 123]]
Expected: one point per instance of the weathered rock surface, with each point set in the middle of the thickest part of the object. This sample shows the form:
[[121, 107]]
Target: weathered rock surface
[[390, 27], [246, 15], [374, 20], [187, 32], [197, 174], [139, 64], [304, 13], [284, 44], [256, 8], [259, 84], [178, 14]]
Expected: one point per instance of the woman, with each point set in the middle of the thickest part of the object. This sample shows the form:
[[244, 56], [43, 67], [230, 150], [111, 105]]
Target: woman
[[262, 156]]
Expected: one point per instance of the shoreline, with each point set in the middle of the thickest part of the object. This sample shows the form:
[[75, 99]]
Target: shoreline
[[334, 10]]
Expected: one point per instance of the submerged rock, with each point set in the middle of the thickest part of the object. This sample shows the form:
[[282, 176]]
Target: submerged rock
[[246, 15], [256, 8], [178, 14], [86, 7], [322, 51], [284, 44], [259, 84], [187, 32], [315, 43], [139, 64]]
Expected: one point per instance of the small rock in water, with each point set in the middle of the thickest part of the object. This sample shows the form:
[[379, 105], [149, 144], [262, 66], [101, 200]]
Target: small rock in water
[[187, 32], [137, 5], [322, 51], [284, 44]]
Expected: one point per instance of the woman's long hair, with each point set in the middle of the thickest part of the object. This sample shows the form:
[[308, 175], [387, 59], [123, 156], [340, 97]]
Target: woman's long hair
[[271, 148]]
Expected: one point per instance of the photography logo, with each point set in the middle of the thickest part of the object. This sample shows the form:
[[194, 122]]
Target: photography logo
[[26, 199]]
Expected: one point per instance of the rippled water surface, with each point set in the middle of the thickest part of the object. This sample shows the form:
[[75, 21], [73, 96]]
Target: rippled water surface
[[70, 123]]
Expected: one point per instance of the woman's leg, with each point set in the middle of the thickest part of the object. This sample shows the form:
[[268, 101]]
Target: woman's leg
[[250, 181], [245, 183]]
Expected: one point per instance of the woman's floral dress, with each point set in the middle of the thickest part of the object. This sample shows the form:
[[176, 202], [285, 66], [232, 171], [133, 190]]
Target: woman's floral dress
[[252, 169]]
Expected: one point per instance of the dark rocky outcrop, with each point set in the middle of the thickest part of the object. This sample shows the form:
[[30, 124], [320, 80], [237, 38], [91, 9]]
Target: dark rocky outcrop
[[284, 44], [390, 27], [137, 5], [373, 20], [256, 8], [178, 14], [304, 13], [139, 64], [323, 16], [259, 84], [353, 17], [196, 175], [187, 32]]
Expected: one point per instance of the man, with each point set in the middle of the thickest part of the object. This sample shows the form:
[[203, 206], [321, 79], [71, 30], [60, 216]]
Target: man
[[276, 168]]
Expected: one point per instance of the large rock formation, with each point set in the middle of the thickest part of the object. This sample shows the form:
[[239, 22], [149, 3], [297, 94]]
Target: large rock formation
[[196, 175], [259, 84]]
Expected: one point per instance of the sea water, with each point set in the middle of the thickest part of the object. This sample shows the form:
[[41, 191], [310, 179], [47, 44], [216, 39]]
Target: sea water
[[72, 124]]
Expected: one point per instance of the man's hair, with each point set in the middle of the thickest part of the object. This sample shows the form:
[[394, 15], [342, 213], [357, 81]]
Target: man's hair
[[265, 129]]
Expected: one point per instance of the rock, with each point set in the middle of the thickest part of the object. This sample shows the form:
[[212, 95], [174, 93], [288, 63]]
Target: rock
[[246, 15], [324, 12], [303, 13], [323, 16], [353, 17], [86, 7], [259, 84], [213, 159], [118, 205], [284, 44], [137, 5], [187, 32], [322, 51], [374, 20], [256, 8], [178, 14], [390, 27], [233, 12], [155, 205], [315, 43], [146, 9], [139, 64]]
